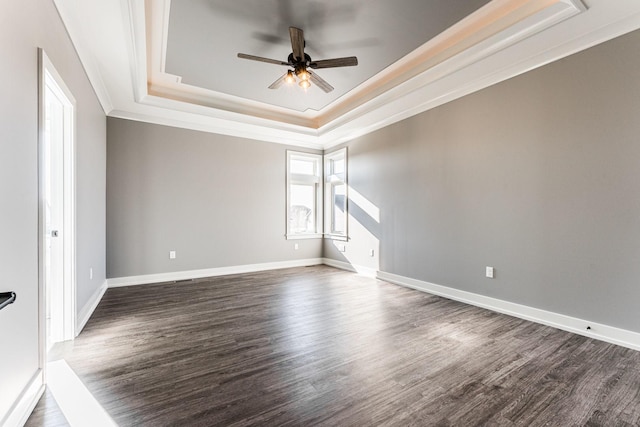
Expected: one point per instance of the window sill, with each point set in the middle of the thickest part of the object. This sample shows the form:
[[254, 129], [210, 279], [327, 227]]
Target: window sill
[[303, 236], [338, 237]]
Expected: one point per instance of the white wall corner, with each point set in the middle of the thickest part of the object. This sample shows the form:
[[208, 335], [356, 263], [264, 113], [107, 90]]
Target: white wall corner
[[339, 264], [359, 269], [85, 313], [145, 279], [85, 54], [23, 407], [610, 334]]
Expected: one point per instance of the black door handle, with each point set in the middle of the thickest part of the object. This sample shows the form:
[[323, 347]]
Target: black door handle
[[6, 298]]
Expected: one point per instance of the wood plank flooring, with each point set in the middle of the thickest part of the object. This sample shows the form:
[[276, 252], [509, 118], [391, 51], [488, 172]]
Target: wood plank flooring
[[47, 413], [320, 346]]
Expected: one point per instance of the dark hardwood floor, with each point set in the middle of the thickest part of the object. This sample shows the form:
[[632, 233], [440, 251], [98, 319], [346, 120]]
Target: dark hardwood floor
[[320, 346], [47, 413]]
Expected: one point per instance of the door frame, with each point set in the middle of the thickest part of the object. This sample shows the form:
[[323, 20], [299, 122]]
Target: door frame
[[48, 76]]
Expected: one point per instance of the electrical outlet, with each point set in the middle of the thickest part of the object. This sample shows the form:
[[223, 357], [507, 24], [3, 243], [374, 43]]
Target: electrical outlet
[[372, 252], [296, 247], [90, 273], [172, 254], [490, 272]]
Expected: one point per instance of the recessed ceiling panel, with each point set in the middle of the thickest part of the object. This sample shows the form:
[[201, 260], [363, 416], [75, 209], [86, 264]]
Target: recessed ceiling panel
[[205, 36]]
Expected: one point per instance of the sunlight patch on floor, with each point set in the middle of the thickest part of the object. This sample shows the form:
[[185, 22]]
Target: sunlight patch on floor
[[77, 403]]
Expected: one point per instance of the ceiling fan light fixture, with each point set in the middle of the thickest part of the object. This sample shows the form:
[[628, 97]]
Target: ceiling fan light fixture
[[298, 63], [303, 74], [289, 78], [305, 84]]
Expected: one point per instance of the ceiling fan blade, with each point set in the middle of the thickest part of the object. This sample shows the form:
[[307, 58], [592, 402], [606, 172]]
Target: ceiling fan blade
[[348, 61], [297, 42], [320, 82], [261, 59], [279, 82]]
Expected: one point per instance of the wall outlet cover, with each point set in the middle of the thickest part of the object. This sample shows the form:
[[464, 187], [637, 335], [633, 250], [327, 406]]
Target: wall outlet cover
[[490, 272]]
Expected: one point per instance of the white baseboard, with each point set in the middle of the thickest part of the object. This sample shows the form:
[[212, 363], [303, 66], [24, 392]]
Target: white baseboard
[[89, 308], [597, 331], [75, 401], [22, 409], [208, 272], [578, 326]]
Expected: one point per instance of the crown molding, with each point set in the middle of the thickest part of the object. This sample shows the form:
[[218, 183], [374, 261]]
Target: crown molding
[[491, 27], [203, 123], [503, 39], [494, 27]]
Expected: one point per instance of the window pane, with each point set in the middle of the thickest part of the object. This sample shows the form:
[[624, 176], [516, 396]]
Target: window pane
[[305, 167], [338, 166], [339, 208], [302, 209]]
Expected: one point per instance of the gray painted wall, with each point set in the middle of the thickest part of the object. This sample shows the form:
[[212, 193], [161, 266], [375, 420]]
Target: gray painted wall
[[216, 200], [538, 176], [25, 26]]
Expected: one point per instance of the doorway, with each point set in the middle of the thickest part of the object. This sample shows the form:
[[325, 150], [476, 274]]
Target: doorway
[[57, 207]]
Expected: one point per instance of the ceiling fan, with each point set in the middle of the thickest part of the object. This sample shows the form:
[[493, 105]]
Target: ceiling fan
[[300, 63]]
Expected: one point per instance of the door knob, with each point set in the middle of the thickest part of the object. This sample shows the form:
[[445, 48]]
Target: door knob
[[54, 233]]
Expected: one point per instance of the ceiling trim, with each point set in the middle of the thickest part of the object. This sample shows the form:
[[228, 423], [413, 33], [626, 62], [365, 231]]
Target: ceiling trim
[[502, 66], [167, 117], [475, 37], [428, 88], [158, 83], [510, 38], [479, 28]]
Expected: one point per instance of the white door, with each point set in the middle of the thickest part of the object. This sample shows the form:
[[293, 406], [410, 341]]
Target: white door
[[57, 207], [54, 233]]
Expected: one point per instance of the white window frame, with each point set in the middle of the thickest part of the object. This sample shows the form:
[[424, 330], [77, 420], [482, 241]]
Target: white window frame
[[302, 179], [332, 179]]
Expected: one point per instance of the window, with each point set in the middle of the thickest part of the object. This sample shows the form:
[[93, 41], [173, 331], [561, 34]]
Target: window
[[304, 195], [335, 202]]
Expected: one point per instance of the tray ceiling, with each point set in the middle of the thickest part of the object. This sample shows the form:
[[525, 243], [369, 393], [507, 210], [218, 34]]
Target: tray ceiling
[[204, 37], [175, 63]]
